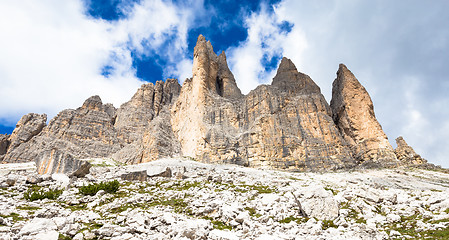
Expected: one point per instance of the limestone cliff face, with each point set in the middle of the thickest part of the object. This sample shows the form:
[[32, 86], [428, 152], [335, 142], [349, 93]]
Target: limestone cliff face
[[143, 123], [353, 113], [85, 132], [134, 116], [98, 130], [285, 125], [28, 126], [406, 154]]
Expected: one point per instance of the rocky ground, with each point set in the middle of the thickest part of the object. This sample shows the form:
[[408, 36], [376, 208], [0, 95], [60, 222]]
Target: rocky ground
[[192, 200]]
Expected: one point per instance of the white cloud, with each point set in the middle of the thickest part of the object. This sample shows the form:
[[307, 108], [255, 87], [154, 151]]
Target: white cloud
[[51, 53], [265, 39]]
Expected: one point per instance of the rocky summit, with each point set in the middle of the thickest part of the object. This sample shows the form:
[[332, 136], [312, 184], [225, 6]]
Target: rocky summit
[[285, 125]]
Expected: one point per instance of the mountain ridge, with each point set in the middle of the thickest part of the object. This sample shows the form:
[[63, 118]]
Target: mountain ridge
[[285, 125]]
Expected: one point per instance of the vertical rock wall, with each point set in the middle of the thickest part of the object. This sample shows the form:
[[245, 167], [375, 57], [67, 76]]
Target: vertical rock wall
[[353, 113]]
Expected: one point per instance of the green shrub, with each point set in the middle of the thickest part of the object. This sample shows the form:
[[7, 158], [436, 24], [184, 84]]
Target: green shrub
[[33, 195], [92, 189]]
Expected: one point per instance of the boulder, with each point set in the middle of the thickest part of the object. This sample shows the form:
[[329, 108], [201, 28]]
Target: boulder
[[56, 161], [167, 173], [319, 203], [135, 176]]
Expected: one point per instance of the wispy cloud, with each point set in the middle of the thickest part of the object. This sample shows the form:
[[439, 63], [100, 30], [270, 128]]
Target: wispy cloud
[[267, 39]]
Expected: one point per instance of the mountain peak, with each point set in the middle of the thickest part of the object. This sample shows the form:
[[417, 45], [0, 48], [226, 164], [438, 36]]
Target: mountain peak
[[290, 80], [353, 113], [286, 65]]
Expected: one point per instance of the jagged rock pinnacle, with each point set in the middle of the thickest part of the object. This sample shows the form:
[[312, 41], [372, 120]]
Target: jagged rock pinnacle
[[353, 113]]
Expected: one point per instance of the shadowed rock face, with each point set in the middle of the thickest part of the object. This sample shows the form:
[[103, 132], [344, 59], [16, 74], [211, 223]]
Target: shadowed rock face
[[406, 154], [285, 125], [353, 113]]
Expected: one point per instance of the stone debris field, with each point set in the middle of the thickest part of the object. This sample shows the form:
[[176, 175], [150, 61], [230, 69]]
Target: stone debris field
[[179, 198]]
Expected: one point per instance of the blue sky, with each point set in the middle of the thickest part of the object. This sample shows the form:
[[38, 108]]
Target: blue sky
[[55, 54]]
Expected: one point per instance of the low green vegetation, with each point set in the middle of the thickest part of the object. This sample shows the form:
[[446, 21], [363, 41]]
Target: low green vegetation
[[64, 237], [221, 225], [252, 212], [15, 217], [294, 179], [294, 219], [328, 224], [353, 214], [329, 188], [28, 208], [183, 185], [408, 227], [33, 195], [218, 224], [77, 207], [92, 189]]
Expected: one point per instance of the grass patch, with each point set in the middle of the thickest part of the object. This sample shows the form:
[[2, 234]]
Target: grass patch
[[90, 226], [328, 224], [334, 192], [446, 211], [32, 195], [252, 212], [437, 234], [77, 207], [27, 208], [221, 225], [408, 226], [64, 237], [353, 214], [294, 219], [181, 186], [218, 224], [92, 189], [15, 217], [439, 221]]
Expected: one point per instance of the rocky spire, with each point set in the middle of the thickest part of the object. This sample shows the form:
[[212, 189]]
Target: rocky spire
[[211, 73], [353, 113], [226, 85], [289, 79]]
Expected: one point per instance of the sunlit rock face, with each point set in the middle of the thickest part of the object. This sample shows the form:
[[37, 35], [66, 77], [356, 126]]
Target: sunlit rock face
[[287, 124], [353, 113]]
